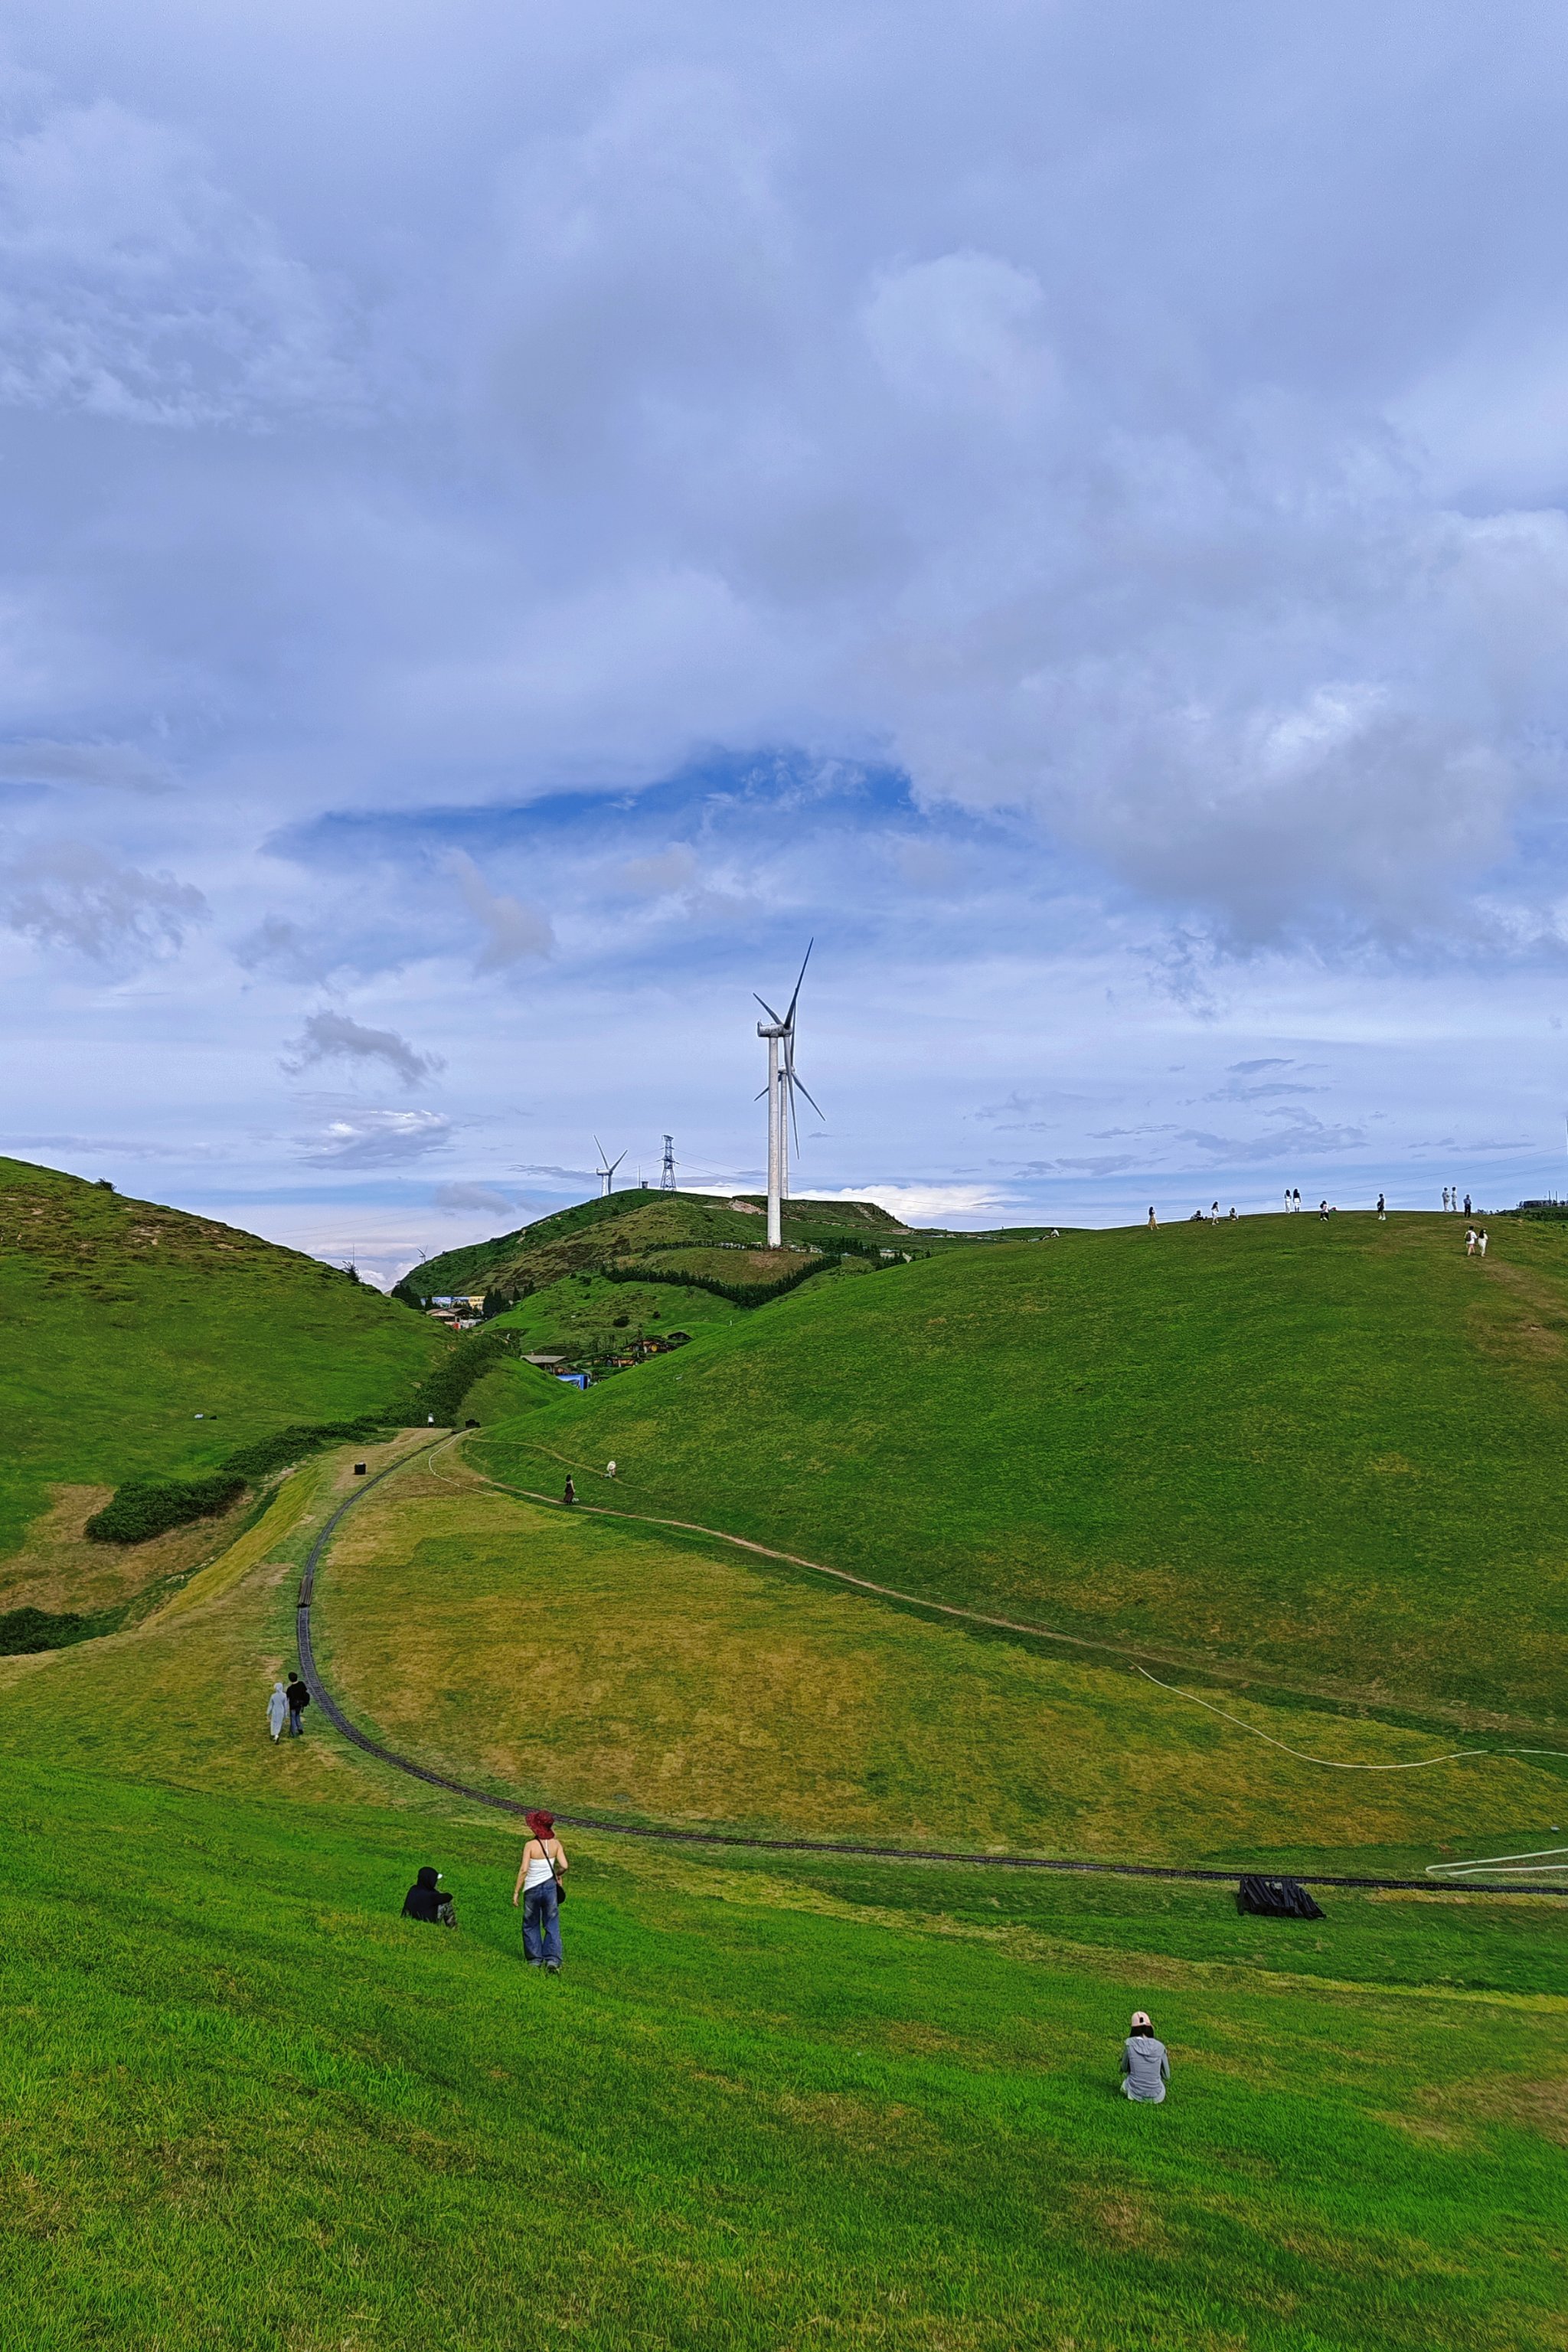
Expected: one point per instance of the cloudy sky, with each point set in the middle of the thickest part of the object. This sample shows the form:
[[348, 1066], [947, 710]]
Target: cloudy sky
[[517, 517]]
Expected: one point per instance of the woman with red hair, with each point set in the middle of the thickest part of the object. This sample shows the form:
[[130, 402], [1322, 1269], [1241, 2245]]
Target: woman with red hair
[[539, 1890]]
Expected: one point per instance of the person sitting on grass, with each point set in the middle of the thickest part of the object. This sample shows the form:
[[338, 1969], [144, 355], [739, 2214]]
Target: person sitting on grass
[[1144, 2063], [428, 1900]]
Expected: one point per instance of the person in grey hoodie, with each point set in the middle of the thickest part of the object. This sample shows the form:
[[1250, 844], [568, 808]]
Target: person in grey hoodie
[[1144, 2062]]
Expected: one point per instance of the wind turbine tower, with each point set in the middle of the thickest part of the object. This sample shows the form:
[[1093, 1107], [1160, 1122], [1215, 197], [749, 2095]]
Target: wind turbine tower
[[782, 1083], [606, 1171], [666, 1178]]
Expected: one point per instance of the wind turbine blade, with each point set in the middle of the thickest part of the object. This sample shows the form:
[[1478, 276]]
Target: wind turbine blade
[[789, 1016], [600, 1149], [794, 1123], [768, 1009], [616, 1164], [816, 1106]]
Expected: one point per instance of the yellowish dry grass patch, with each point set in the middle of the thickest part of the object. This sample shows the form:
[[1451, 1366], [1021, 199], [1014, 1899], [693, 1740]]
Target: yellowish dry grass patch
[[181, 1696], [60, 1567], [615, 1670]]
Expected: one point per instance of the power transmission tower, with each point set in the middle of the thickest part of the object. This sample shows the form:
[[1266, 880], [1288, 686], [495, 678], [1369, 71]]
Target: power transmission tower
[[667, 1182]]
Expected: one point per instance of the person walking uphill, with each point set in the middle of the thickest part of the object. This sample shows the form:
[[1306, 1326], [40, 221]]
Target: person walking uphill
[[277, 1711], [571, 1494], [297, 1698], [540, 1891], [1144, 2063]]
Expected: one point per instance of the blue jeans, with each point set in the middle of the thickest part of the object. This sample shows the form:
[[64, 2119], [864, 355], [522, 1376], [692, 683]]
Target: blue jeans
[[541, 1923], [296, 1722]]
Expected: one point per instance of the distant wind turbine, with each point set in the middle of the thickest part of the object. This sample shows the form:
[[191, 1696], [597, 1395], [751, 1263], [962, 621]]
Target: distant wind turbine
[[781, 1089], [606, 1171]]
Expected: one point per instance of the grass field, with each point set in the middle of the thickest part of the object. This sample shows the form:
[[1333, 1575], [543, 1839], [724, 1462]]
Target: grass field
[[1330, 1454], [629, 1673], [124, 1321], [768, 2106]]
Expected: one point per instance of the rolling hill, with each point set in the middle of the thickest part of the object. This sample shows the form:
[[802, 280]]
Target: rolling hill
[[142, 1341], [1328, 1456], [787, 2100], [647, 1227]]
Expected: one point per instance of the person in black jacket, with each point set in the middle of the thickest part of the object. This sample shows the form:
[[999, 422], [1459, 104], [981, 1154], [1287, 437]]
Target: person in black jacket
[[299, 1699], [428, 1900]]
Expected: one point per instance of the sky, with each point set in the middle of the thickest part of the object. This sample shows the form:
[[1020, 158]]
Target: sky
[[517, 518]]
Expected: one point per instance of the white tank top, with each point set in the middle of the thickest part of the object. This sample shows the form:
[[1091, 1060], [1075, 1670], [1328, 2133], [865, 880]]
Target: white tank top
[[539, 1870]]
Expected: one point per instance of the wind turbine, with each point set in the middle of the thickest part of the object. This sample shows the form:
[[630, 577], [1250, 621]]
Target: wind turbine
[[783, 1082], [606, 1171]]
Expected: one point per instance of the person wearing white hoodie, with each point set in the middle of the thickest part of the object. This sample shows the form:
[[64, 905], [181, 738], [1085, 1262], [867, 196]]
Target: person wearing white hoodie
[[1145, 2062], [277, 1711]]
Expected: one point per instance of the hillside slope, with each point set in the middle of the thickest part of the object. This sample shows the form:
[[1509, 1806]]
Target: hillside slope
[[639, 1225], [124, 1321], [790, 2101], [1332, 1453]]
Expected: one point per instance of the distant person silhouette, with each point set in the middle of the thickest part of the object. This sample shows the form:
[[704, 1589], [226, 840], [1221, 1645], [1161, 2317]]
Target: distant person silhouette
[[571, 1494], [277, 1711], [1324, 1212], [1233, 1216], [299, 1699], [1145, 2062], [1214, 1214], [1153, 1220], [1468, 1212], [1445, 1200], [609, 1469], [1382, 1211], [1469, 1240], [1481, 1241], [1296, 1201]]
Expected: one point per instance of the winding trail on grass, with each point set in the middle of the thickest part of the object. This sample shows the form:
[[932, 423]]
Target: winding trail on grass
[[1003, 1624], [519, 1807]]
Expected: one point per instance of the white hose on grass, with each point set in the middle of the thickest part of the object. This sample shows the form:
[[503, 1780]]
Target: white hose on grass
[[1538, 1864]]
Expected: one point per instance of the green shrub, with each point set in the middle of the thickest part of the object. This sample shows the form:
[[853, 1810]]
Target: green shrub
[[143, 1507], [23, 1630], [739, 1294], [258, 1460], [440, 1394]]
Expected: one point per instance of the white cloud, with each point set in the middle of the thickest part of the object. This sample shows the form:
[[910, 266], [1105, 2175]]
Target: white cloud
[[923, 1203], [119, 765], [480, 1200], [136, 288], [69, 894], [374, 1139]]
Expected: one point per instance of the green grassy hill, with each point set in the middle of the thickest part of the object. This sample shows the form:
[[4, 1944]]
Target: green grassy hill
[[772, 2101], [694, 1684], [1332, 1456], [123, 1322], [637, 1226]]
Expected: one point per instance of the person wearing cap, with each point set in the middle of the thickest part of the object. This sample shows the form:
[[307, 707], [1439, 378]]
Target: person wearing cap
[[538, 1888], [1144, 2062]]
